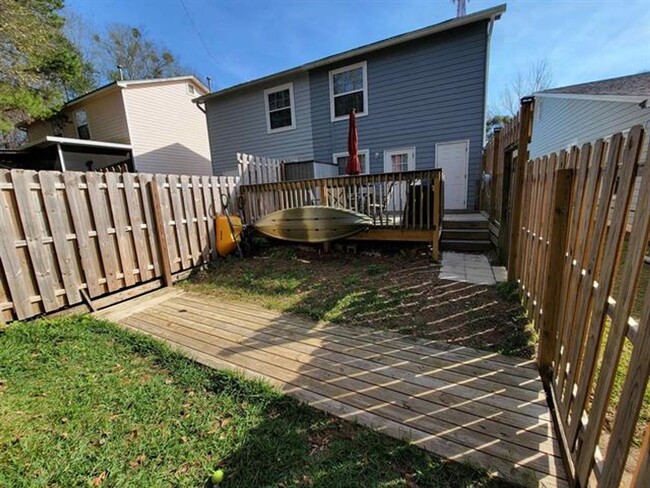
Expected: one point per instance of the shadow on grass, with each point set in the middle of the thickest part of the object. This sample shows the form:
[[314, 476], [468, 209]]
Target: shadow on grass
[[400, 292], [77, 378]]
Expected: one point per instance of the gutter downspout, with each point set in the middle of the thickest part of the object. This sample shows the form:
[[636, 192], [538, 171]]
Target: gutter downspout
[[490, 26]]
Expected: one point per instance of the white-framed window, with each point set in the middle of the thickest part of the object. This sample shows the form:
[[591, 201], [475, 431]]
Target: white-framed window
[[81, 123], [190, 89], [349, 90], [341, 160], [396, 160], [280, 108]]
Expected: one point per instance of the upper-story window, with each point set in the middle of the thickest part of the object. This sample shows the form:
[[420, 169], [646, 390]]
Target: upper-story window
[[349, 90], [279, 108], [81, 122], [190, 89]]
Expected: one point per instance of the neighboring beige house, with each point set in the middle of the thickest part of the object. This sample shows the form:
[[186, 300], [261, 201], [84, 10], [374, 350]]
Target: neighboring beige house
[[150, 125]]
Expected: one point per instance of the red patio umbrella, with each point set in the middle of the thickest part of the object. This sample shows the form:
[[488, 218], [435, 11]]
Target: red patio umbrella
[[353, 167]]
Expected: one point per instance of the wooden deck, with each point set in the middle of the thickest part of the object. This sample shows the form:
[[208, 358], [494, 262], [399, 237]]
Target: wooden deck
[[459, 403]]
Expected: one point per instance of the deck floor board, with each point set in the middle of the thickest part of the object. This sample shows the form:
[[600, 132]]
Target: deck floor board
[[459, 403]]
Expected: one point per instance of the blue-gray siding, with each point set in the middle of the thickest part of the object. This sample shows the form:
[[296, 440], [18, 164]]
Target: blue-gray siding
[[560, 123], [237, 123], [420, 93]]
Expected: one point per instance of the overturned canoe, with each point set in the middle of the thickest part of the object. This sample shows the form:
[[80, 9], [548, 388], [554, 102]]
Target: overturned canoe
[[312, 224]]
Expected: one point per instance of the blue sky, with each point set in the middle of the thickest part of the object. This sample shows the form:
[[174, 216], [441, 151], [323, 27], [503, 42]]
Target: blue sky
[[235, 41]]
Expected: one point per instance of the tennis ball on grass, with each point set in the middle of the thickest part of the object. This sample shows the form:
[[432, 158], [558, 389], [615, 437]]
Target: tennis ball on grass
[[217, 477]]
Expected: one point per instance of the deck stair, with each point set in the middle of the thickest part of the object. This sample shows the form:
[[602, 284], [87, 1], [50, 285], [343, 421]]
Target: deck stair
[[465, 232]]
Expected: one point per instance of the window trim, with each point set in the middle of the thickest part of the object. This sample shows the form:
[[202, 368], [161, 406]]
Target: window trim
[[76, 126], [362, 64], [401, 150], [191, 90], [292, 108], [365, 152]]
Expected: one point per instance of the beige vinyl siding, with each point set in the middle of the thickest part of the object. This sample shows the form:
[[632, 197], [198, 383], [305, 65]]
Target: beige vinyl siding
[[168, 131], [106, 120], [38, 130]]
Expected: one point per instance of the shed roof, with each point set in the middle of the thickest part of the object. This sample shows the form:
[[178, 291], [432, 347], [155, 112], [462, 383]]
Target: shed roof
[[490, 13]]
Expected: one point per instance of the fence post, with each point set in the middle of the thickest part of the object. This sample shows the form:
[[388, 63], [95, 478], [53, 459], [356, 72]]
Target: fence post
[[160, 234], [437, 206], [525, 115], [492, 210], [557, 247]]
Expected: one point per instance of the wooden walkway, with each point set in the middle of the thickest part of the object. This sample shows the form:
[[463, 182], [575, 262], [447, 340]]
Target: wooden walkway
[[458, 403]]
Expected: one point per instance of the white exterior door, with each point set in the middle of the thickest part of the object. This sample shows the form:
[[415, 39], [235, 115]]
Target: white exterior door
[[396, 160], [453, 159]]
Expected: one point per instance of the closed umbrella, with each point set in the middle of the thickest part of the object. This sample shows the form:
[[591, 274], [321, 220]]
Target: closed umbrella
[[353, 167]]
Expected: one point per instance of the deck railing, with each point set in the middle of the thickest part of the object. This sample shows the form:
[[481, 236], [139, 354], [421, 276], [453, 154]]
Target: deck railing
[[409, 200]]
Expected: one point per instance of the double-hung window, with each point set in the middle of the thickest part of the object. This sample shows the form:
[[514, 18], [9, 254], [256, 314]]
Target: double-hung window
[[341, 160], [349, 90], [81, 123], [280, 115]]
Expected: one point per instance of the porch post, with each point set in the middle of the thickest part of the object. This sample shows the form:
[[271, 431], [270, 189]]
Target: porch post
[[60, 155]]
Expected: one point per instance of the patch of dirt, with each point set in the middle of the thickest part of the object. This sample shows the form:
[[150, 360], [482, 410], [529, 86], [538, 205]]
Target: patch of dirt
[[392, 288]]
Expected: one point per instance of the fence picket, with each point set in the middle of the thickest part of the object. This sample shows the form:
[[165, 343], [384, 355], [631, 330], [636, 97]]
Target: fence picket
[[117, 209], [56, 214], [14, 275], [34, 237], [135, 222]]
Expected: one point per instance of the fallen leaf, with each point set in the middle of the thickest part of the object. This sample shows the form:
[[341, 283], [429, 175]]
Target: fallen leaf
[[137, 461], [100, 479]]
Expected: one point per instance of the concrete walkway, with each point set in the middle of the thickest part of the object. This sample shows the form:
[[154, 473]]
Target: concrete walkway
[[470, 268]]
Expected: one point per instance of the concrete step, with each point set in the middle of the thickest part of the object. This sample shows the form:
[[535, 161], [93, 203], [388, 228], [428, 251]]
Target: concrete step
[[465, 234], [465, 245]]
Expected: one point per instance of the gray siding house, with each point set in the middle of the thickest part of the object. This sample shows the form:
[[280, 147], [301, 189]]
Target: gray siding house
[[576, 114], [573, 115], [420, 100]]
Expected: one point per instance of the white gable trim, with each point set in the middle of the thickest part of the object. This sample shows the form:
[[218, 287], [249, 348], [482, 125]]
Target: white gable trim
[[603, 98]]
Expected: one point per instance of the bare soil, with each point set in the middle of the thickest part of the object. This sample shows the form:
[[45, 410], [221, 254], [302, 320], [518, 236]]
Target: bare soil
[[396, 289]]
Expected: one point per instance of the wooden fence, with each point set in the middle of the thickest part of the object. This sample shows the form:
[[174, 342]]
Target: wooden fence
[[499, 158], [579, 274], [73, 237], [254, 169]]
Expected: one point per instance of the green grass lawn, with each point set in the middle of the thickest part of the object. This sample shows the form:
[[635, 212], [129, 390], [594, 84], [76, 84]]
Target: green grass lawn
[[621, 286], [83, 402]]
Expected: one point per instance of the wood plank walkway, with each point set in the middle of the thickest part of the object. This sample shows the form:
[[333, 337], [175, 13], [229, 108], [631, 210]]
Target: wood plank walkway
[[459, 403]]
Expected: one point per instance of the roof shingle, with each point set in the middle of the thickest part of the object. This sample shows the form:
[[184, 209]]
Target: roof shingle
[[631, 85]]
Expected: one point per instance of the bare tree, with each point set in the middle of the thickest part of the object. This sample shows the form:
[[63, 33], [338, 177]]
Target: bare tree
[[139, 57], [460, 7], [536, 77]]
